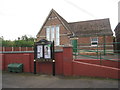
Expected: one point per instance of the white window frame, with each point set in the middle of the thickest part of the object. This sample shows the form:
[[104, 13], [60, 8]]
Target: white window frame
[[94, 41], [57, 35], [53, 33], [48, 33], [52, 37]]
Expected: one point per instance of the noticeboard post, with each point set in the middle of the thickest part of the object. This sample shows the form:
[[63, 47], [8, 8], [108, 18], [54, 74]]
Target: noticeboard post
[[43, 51]]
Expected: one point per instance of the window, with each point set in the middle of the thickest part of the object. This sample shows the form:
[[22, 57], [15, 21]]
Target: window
[[52, 33], [94, 41], [57, 36], [48, 33]]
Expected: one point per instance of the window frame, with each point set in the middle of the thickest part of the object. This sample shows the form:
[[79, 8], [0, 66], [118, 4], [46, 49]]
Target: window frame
[[55, 34], [92, 41]]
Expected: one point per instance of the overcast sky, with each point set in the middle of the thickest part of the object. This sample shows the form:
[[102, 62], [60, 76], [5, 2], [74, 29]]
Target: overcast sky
[[20, 17]]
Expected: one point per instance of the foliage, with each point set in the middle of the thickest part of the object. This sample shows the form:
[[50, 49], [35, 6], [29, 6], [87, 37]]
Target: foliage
[[24, 41]]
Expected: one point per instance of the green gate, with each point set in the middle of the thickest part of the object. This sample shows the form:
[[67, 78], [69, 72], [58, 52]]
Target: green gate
[[74, 44]]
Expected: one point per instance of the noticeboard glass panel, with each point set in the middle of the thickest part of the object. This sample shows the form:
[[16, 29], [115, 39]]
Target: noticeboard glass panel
[[39, 51], [47, 51]]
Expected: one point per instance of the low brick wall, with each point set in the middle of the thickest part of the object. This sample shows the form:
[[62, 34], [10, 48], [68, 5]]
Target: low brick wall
[[27, 59], [85, 69], [108, 63], [64, 64]]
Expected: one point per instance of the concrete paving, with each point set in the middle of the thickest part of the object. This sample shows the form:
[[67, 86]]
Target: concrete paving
[[29, 80]]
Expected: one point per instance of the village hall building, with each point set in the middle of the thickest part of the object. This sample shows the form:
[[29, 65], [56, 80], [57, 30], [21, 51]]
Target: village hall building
[[89, 32]]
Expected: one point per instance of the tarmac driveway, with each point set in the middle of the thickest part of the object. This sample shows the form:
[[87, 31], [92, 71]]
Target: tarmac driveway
[[29, 80]]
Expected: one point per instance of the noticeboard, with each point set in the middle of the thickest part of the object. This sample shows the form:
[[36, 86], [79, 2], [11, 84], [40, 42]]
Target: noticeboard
[[43, 50]]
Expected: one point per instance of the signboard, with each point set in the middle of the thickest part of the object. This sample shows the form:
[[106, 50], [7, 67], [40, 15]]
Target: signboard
[[43, 50]]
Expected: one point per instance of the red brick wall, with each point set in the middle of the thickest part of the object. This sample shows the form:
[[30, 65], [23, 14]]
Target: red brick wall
[[27, 60], [86, 41], [65, 65], [102, 62], [109, 39], [17, 58], [85, 69]]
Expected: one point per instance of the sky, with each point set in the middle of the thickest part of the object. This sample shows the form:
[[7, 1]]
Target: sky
[[25, 17]]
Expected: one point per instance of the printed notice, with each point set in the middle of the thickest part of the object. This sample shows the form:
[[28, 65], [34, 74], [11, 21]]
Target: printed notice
[[39, 51], [47, 51]]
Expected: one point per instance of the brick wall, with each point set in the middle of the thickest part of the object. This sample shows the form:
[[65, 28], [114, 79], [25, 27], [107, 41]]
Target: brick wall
[[102, 62], [85, 42], [85, 69], [64, 64]]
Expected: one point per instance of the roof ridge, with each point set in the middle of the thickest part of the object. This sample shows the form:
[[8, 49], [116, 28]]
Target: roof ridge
[[88, 20], [66, 24], [59, 15]]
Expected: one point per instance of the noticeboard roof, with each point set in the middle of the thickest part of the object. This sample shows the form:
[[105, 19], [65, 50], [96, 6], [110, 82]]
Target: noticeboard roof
[[43, 42]]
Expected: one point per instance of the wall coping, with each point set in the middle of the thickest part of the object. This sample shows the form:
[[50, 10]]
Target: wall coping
[[24, 51], [68, 46], [16, 51]]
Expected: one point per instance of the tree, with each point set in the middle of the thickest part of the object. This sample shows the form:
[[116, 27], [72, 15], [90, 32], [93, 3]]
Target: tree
[[25, 41], [7, 43], [24, 38]]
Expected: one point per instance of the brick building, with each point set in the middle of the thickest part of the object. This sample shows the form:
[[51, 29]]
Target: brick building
[[117, 33], [91, 32]]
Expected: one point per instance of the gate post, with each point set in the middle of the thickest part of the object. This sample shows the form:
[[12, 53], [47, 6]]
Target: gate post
[[67, 60]]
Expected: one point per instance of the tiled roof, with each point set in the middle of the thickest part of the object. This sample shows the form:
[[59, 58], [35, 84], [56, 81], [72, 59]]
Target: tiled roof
[[92, 27]]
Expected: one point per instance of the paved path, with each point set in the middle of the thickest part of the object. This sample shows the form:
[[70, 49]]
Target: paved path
[[28, 80]]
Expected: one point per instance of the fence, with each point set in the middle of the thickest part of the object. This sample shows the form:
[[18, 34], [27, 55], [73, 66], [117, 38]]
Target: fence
[[102, 51]]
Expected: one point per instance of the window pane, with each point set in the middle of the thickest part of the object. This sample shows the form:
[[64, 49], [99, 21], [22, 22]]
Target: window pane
[[48, 34], [94, 43], [94, 39], [52, 33], [57, 42]]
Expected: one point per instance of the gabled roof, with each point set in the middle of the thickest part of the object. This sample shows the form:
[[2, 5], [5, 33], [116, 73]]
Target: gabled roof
[[98, 27], [91, 28], [62, 20]]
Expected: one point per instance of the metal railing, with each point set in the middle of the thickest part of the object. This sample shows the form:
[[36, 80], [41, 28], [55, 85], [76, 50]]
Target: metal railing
[[107, 51]]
